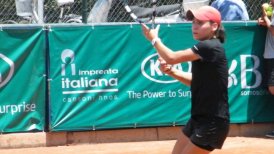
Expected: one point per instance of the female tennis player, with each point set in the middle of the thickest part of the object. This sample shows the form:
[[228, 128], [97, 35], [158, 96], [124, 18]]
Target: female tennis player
[[208, 126]]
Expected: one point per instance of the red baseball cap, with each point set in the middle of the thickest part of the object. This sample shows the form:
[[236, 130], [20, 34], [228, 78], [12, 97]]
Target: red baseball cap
[[204, 13]]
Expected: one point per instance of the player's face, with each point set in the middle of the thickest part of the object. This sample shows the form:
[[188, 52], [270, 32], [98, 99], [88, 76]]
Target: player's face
[[203, 30]]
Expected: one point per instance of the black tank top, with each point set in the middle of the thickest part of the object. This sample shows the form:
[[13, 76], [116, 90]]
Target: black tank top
[[210, 80]]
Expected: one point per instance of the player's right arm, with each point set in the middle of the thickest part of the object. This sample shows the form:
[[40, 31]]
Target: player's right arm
[[170, 56]]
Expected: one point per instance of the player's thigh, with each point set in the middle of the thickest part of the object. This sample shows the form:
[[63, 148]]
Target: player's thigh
[[191, 148], [180, 144]]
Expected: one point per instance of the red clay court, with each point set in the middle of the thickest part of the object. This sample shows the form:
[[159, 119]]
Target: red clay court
[[233, 145]]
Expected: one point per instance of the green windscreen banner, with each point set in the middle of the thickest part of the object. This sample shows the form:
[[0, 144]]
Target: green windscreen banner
[[108, 77], [22, 79]]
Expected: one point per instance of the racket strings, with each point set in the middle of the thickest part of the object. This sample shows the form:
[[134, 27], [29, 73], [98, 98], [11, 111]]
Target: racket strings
[[149, 12], [141, 7]]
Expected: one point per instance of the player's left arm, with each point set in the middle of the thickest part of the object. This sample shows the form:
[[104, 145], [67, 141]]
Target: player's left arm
[[184, 77]]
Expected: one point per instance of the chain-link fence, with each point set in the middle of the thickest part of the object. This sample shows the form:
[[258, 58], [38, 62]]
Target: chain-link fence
[[54, 12]]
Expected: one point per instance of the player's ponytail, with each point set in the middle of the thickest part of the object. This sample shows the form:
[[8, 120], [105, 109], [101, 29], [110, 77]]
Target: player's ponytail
[[220, 33]]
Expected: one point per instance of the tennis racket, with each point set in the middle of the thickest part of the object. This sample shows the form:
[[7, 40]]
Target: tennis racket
[[147, 12], [129, 9]]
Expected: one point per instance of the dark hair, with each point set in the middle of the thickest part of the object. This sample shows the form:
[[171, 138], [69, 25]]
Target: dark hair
[[220, 33]]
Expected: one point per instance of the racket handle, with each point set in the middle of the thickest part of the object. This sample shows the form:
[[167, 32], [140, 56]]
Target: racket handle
[[132, 15], [153, 2]]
